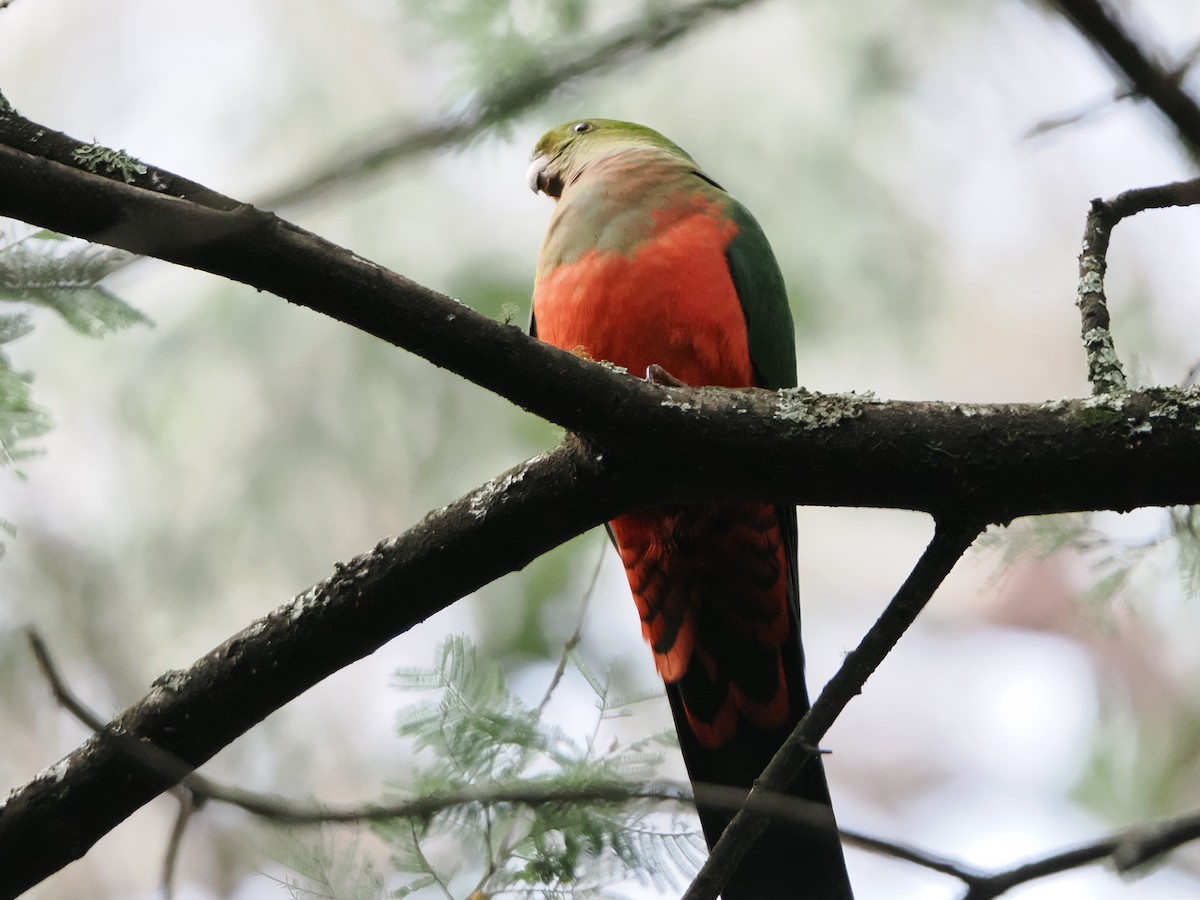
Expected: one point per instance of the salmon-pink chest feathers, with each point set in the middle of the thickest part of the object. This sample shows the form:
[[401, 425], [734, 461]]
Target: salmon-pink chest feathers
[[649, 287], [635, 271]]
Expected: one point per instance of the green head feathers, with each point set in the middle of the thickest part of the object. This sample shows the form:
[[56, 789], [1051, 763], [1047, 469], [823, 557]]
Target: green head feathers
[[565, 150]]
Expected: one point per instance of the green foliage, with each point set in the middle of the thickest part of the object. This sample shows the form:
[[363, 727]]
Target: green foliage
[[45, 270], [1142, 761], [1185, 533], [1114, 562], [494, 31], [477, 737], [21, 420], [513, 55], [335, 872], [477, 733]]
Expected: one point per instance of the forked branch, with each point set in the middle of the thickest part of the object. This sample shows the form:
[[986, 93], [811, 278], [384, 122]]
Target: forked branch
[[1104, 367], [951, 539]]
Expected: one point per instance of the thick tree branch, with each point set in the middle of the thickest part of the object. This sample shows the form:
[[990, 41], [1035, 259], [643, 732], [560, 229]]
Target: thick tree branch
[[642, 444], [192, 714], [500, 527], [951, 539], [1136, 65], [1004, 461]]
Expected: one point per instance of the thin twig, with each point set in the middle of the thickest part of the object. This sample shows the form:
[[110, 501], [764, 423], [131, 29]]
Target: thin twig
[[1137, 65], [951, 538], [1143, 844], [279, 809], [1104, 366], [416, 843], [1119, 95], [1127, 849], [577, 635], [795, 809], [169, 766], [503, 100], [189, 803]]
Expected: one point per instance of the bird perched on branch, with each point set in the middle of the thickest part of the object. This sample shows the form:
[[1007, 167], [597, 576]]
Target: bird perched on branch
[[647, 261]]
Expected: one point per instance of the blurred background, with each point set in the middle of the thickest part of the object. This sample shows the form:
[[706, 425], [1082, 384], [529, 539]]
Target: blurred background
[[203, 471]]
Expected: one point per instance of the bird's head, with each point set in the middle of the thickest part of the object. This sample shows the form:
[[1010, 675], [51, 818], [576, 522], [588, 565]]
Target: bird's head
[[565, 151]]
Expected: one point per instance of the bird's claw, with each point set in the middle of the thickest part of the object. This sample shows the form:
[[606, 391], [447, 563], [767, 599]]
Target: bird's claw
[[659, 375]]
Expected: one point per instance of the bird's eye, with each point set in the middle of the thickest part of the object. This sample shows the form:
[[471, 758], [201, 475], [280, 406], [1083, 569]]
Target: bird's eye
[[582, 127]]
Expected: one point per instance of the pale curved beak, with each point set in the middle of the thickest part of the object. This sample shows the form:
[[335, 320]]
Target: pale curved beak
[[536, 176], [540, 181]]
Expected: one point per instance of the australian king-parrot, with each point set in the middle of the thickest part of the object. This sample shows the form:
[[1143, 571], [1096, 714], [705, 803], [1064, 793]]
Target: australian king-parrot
[[648, 261]]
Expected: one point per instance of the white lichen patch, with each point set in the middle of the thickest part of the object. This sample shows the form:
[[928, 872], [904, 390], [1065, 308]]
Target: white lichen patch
[[1164, 411], [310, 599], [56, 772], [672, 403], [1171, 403], [116, 162], [1114, 400], [172, 680], [1104, 366], [1091, 283], [612, 367], [1167, 404], [387, 544], [973, 410], [493, 492], [810, 410]]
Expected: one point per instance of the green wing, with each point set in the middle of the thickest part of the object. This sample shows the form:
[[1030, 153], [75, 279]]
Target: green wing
[[759, 285]]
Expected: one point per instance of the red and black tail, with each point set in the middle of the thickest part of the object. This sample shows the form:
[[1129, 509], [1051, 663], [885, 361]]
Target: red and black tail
[[717, 592]]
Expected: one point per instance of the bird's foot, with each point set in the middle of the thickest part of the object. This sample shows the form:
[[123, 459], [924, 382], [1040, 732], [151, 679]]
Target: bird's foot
[[659, 375]]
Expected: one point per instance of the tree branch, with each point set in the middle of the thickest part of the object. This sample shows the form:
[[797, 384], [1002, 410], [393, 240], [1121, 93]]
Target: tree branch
[[504, 99], [530, 792], [1126, 850], [1136, 65], [1117, 95], [1104, 367], [993, 462], [951, 538], [1005, 461], [192, 714]]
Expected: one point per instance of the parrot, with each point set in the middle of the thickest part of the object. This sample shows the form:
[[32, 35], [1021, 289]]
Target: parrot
[[648, 262]]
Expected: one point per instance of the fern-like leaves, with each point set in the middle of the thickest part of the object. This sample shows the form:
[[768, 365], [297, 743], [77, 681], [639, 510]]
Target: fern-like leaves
[[476, 737], [46, 271]]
